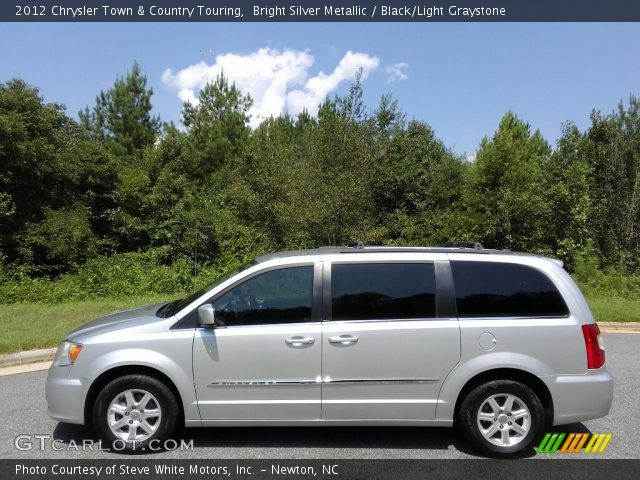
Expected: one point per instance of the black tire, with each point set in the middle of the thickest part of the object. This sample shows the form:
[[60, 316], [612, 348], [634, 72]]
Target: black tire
[[165, 399], [469, 410]]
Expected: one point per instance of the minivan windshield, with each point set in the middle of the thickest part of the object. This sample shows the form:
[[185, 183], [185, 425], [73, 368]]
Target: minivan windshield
[[171, 308]]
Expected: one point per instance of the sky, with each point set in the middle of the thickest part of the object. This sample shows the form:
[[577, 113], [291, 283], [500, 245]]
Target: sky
[[460, 78]]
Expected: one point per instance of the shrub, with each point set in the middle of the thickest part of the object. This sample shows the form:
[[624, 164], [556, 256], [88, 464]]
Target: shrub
[[613, 281], [118, 276]]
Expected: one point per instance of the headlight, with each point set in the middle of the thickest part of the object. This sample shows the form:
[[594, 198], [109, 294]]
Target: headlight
[[67, 353]]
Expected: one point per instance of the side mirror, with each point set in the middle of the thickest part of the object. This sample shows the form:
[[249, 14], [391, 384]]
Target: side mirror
[[207, 316]]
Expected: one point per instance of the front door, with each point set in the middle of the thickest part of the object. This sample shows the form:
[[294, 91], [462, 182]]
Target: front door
[[264, 364], [385, 354]]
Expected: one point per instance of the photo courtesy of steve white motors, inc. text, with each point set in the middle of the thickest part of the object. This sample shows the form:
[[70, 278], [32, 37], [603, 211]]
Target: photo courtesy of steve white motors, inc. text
[[173, 470]]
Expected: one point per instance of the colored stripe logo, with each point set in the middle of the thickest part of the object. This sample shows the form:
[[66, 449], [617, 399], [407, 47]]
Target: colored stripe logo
[[574, 442]]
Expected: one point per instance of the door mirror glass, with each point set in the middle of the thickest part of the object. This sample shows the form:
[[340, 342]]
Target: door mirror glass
[[207, 316]]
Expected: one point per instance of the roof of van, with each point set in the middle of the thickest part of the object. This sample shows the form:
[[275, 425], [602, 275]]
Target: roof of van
[[380, 249]]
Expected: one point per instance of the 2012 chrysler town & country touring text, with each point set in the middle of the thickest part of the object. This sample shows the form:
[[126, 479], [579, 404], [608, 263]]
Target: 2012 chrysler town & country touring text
[[498, 343]]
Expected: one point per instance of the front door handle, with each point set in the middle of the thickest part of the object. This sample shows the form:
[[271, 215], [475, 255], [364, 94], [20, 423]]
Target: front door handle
[[344, 339], [297, 340]]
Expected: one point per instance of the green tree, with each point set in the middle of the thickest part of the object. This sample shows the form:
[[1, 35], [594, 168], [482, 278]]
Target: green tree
[[179, 211], [506, 197], [32, 133], [218, 124], [263, 184], [339, 174], [419, 188], [351, 105], [613, 150], [122, 115], [388, 119], [61, 242], [568, 175]]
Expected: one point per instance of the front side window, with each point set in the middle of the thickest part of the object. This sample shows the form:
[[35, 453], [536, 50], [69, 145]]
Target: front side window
[[177, 305], [493, 289], [380, 291], [277, 296]]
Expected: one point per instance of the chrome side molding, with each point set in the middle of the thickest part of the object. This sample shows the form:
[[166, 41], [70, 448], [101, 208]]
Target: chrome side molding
[[262, 383], [380, 381], [321, 381]]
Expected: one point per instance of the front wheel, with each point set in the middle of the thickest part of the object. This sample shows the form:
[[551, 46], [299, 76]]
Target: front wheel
[[134, 410], [501, 417]]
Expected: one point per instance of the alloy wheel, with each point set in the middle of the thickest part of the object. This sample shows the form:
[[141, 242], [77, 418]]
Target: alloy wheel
[[134, 415], [504, 420]]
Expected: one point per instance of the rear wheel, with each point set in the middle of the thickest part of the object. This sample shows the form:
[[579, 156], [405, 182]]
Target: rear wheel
[[134, 410], [501, 417]]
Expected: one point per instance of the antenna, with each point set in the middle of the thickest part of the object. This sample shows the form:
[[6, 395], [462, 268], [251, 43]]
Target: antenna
[[333, 237]]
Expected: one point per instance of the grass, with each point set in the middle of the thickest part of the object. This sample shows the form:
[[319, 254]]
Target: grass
[[614, 309], [29, 325], [25, 326]]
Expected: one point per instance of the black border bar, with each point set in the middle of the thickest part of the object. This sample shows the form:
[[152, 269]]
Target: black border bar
[[527, 469], [320, 11]]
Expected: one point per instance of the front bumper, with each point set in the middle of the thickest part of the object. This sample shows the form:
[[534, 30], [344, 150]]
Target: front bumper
[[581, 397], [65, 396]]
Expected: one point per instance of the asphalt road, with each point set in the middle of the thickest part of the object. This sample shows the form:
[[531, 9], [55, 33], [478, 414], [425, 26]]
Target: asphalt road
[[23, 411]]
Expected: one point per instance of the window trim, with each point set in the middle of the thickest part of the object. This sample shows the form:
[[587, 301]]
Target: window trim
[[327, 300], [508, 317], [190, 320]]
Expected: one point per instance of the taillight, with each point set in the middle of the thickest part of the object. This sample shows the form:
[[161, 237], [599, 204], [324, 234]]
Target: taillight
[[593, 342]]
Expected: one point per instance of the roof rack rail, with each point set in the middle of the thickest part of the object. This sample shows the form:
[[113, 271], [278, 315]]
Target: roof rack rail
[[355, 243], [463, 244], [469, 248]]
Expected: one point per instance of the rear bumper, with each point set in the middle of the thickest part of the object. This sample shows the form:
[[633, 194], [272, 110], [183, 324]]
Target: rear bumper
[[580, 397]]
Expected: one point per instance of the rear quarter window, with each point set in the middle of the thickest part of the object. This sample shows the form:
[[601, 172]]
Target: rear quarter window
[[493, 289]]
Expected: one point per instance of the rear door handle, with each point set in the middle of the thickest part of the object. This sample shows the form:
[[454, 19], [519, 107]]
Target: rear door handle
[[344, 339], [297, 340]]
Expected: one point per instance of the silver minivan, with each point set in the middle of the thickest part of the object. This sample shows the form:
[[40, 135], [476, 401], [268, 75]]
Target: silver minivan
[[499, 344]]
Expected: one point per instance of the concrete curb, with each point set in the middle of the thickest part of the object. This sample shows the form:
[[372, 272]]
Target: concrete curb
[[26, 357], [26, 368], [619, 327]]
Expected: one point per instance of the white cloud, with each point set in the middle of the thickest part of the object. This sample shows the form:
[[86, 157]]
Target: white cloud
[[277, 81], [396, 72], [187, 95], [317, 88]]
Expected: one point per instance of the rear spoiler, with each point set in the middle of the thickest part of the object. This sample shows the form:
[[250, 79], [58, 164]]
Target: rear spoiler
[[557, 261]]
